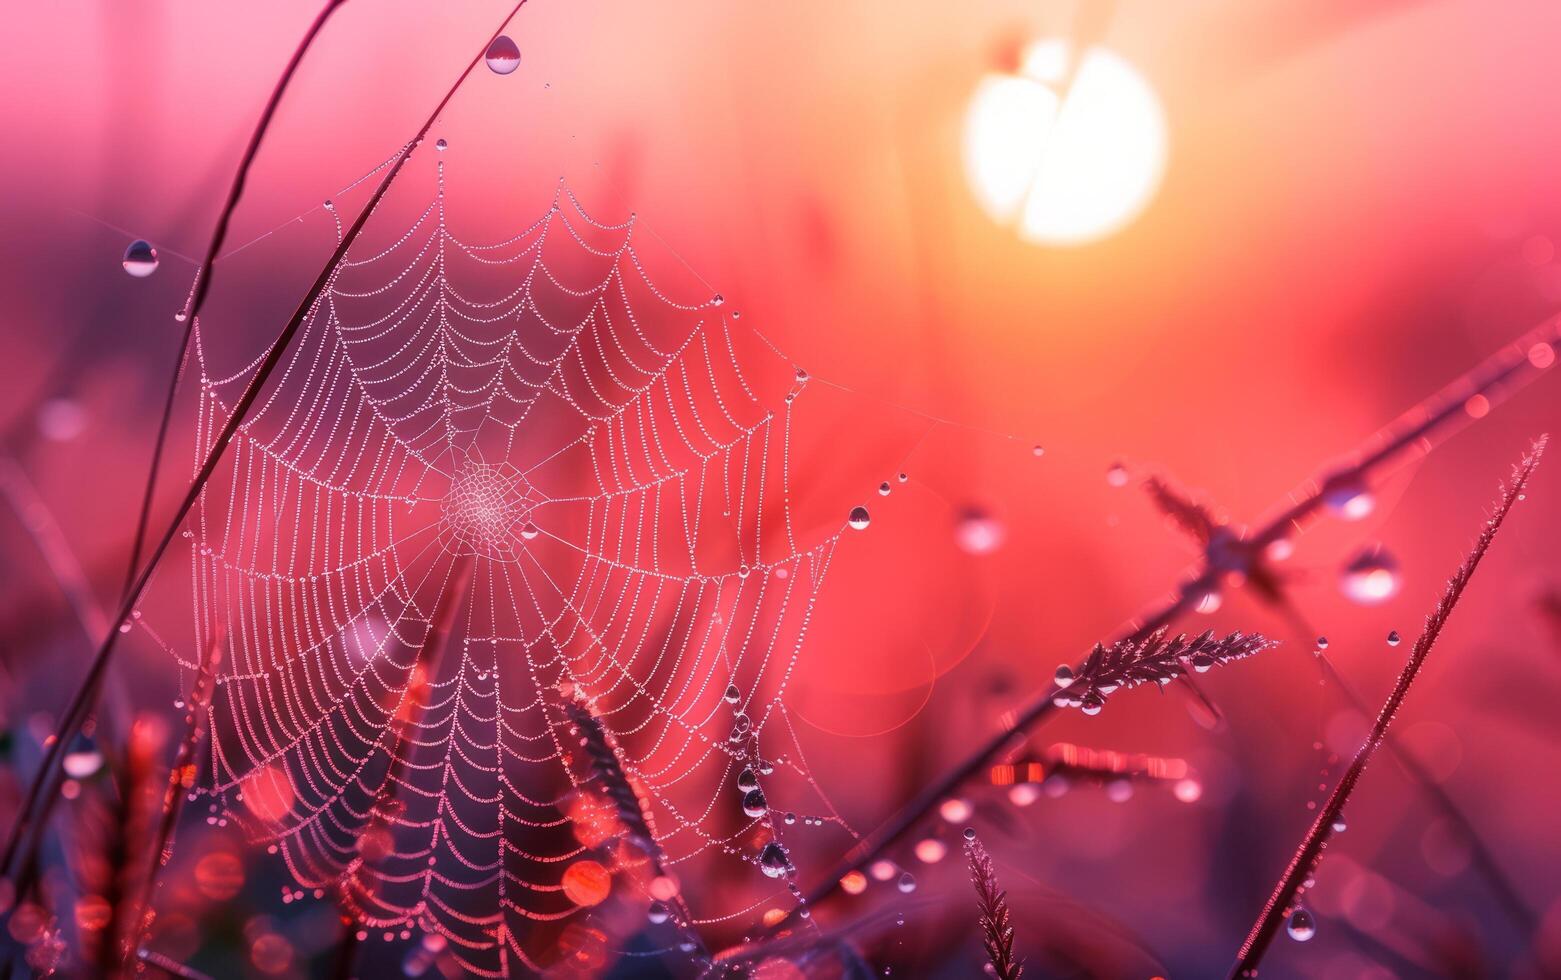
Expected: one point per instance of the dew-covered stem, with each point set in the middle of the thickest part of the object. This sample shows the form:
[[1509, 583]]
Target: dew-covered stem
[[1309, 852]]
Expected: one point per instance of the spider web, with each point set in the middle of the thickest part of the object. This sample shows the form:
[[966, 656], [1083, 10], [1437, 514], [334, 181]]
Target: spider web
[[489, 482]]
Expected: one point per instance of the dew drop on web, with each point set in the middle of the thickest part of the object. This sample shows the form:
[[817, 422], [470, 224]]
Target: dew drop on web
[[530, 531], [1116, 475], [503, 55], [1393, 638], [773, 861], [859, 518], [732, 695], [659, 912], [907, 882], [140, 259], [1301, 926], [754, 804]]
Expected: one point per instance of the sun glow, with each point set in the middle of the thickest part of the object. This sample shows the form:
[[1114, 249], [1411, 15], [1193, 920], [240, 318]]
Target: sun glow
[[1065, 164]]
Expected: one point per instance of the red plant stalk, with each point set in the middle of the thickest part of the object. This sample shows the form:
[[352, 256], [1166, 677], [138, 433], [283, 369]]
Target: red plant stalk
[[197, 298], [1279, 904], [180, 778], [37, 804]]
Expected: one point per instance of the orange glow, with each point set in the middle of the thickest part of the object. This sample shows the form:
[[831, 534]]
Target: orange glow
[[587, 883]]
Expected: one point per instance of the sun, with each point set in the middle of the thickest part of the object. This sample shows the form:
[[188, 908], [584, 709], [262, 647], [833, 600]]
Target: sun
[[1065, 170]]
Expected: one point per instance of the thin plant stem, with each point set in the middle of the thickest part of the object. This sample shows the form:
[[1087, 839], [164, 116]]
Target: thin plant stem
[[180, 777], [1309, 852], [197, 298], [1480, 853], [86, 693]]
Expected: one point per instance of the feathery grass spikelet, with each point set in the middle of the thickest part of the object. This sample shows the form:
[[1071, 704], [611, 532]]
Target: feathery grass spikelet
[[1130, 663], [997, 931]]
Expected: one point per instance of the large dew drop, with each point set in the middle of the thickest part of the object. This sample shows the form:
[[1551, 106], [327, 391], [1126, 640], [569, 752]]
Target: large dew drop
[[140, 259], [1371, 578], [754, 804], [907, 882], [773, 861], [503, 55], [859, 518], [1301, 926]]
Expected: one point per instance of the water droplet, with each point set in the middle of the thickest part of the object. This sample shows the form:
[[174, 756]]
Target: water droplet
[[883, 488], [732, 695], [717, 300], [1322, 643], [754, 804], [802, 376], [979, 533], [1350, 500], [1039, 451], [773, 861], [503, 55], [441, 145], [1339, 825], [658, 912], [859, 518], [140, 258], [1064, 676], [1116, 475], [83, 759], [790, 819], [970, 833], [1092, 704], [530, 531], [1372, 577], [903, 477], [1301, 927], [747, 781], [1209, 603], [907, 882], [1393, 638]]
